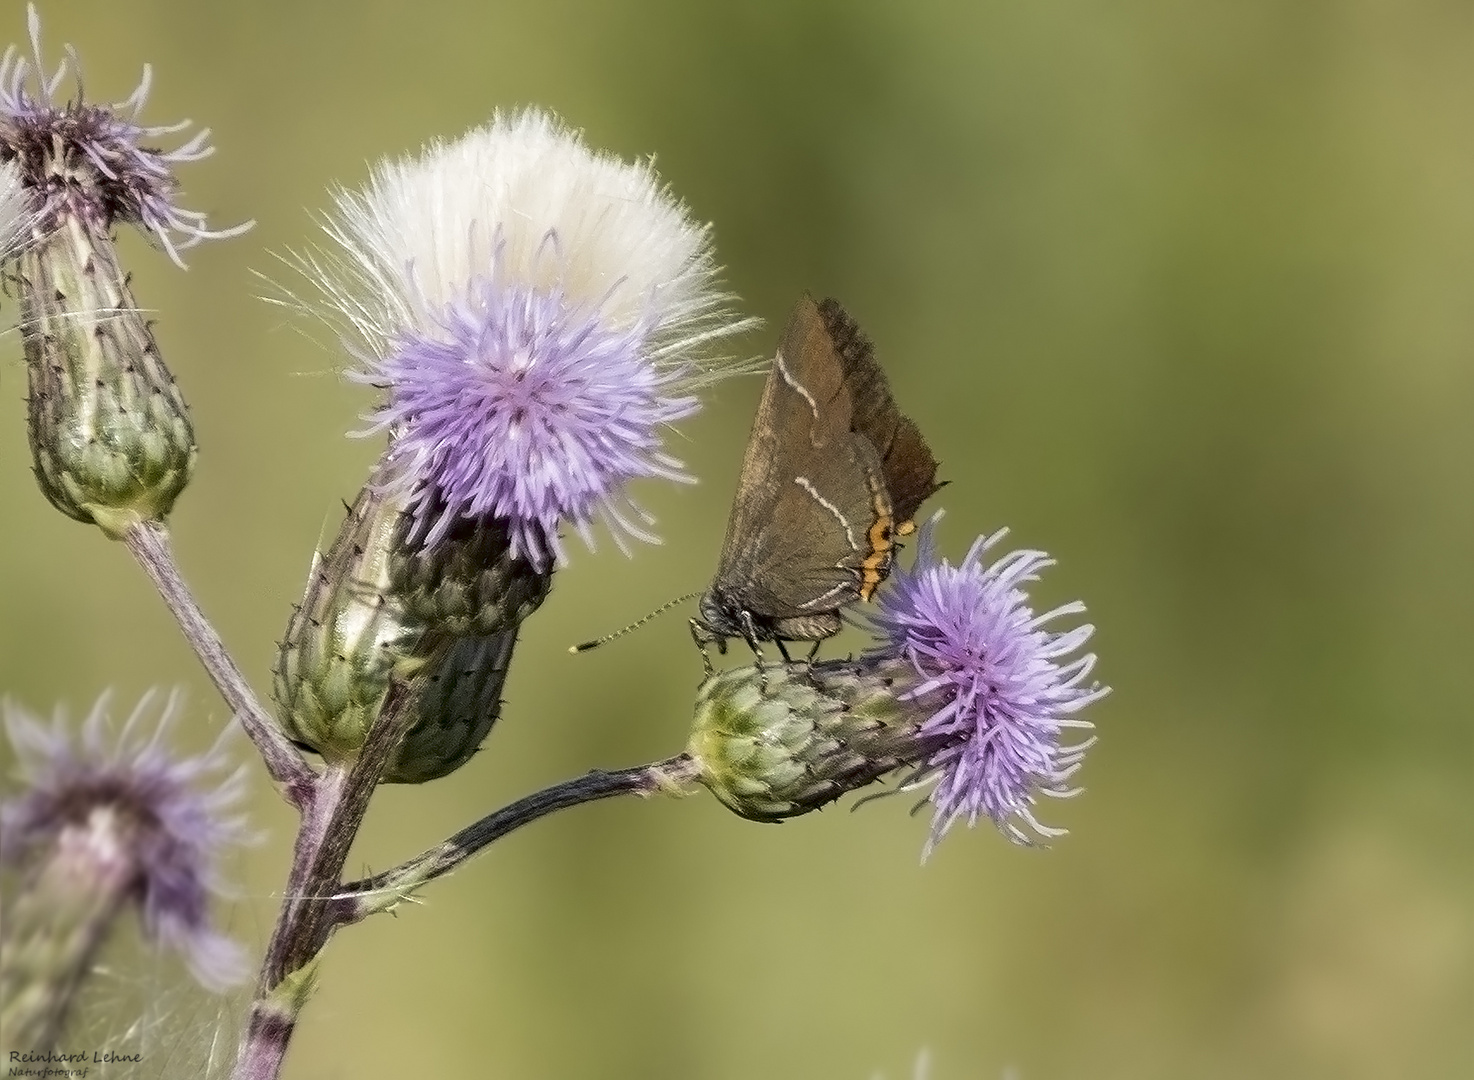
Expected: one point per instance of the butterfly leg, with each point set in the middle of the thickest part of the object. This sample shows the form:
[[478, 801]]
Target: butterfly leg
[[703, 637], [813, 652], [783, 648], [749, 631]]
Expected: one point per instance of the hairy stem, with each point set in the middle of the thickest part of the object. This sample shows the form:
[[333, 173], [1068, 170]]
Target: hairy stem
[[330, 822], [149, 543], [360, 899]]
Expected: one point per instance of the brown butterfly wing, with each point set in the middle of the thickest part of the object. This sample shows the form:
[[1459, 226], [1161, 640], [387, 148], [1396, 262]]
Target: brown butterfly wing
[[809, 487], [906, 460]]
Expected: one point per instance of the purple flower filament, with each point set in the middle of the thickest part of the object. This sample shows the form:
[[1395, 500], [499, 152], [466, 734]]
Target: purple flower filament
[[1000, 682], [89, 161], [523, 406]]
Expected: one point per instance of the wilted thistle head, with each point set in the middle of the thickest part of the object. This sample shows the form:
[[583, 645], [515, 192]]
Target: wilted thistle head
[[162, 821], [536, 313], [997, 688], [967, 691], [88, 161]]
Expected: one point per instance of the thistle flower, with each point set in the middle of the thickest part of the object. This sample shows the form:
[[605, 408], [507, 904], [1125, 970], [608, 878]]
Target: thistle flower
[[996, 686], [110, 434], [967, 690], [89, 161], [536, 313], [101, 823]]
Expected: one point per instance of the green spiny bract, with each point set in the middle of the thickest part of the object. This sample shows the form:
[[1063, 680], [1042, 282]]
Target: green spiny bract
[[778, 740], [469, 582], [458, 699], [379, 610], [109, 431], [348, 639]]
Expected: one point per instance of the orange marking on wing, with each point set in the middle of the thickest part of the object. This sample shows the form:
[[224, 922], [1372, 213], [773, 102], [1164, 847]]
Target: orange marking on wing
[[877, 564]]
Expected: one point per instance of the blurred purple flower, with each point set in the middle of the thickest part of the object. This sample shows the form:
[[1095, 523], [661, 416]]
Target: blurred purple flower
[[999, 686], [537, 313], [88, 161], [172, 818]]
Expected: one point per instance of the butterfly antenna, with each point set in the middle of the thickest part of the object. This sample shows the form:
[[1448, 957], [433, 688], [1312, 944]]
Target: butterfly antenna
[[661, 610]]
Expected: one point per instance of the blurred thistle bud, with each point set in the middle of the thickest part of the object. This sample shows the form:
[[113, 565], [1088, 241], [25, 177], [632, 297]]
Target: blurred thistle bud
[[776, 740], [537, 314], [109, 431], [96, 825], [967, 692], [380, 609]]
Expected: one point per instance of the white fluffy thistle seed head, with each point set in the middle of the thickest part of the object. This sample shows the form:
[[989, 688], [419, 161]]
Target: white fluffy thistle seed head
[[537, 314], [524, 198]]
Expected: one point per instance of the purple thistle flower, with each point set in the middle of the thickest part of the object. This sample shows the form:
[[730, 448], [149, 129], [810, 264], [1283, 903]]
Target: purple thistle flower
[[167, 820], [997, 681], [536, 313], [89, 161], [527, 407]]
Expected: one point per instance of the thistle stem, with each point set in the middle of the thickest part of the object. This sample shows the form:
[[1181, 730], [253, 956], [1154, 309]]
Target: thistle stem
[[330, 821], [359, 899], [149, 543]]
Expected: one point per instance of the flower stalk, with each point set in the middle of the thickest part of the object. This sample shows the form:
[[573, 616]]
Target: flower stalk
[[330, 822], [385, 891], [150, 546]]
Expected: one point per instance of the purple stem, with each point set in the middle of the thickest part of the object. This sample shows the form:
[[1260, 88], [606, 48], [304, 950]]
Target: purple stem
[[309, 918], [149, 543], [359, 899], [330, 821]]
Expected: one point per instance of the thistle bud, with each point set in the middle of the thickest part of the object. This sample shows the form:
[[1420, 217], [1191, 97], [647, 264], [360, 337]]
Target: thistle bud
[[110, 433], [348, 638], [469, 583], [778, 740], [459, 699], [381, 608]]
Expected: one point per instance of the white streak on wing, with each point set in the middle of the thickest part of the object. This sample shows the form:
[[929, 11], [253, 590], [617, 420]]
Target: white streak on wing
[[803, 482], [803, 393], [817, 601]]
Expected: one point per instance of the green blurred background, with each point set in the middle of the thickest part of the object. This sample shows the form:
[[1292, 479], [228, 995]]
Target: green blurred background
[[1181, 292]]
